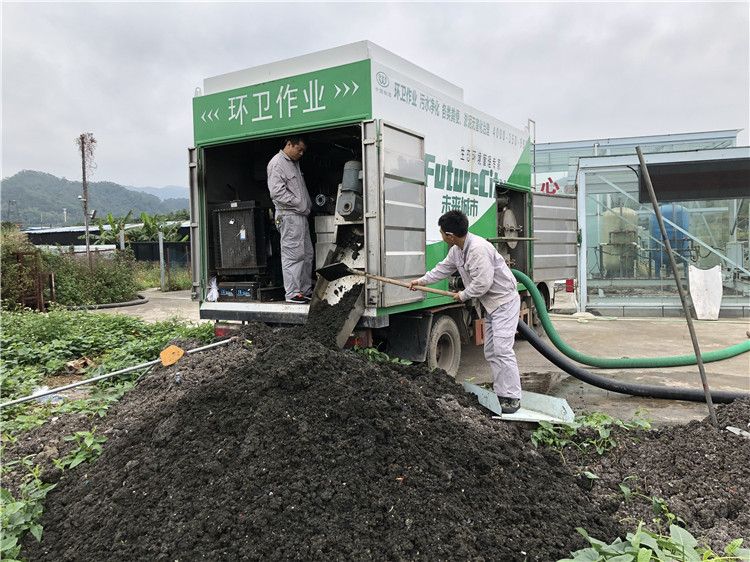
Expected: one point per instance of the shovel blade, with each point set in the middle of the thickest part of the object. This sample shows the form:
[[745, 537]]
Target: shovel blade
[[334, 271]]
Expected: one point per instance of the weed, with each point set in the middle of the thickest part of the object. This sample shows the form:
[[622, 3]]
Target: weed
[[374, 355], [645, 546], [670, 541], [36, 346], [21, 515], [89, 449], [586, 433]]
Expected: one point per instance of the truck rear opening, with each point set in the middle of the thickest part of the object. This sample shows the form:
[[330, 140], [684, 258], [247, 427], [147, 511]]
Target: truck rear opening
[[243, 253]]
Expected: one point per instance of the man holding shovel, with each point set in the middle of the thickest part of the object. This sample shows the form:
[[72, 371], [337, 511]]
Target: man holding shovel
[[488, 278]]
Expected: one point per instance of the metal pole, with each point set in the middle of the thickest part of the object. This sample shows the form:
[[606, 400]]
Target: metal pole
[[680, 290], [108, 375], [161, 257]]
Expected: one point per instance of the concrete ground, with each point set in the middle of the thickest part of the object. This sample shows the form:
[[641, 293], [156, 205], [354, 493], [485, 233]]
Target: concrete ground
[[604, 337]]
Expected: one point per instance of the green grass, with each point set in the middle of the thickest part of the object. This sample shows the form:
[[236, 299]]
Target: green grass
[[147, 275], [36, 346]]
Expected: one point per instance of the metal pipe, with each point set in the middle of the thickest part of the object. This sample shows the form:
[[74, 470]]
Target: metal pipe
[[680, 290], [108, 375]]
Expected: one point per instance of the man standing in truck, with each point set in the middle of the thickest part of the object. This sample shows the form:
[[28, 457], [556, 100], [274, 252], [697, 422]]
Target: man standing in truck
[[293, 204], [486, 277]]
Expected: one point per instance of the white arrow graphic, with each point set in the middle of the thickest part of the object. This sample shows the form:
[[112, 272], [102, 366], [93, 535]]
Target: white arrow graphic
[[346, 89], [203, 116], [216, 113]]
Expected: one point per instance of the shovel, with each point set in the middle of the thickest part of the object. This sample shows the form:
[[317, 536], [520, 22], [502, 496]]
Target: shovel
[[338, 270]]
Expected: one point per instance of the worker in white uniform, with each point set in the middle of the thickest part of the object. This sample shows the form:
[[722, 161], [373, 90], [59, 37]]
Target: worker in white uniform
[[292, 201], [488, 278]]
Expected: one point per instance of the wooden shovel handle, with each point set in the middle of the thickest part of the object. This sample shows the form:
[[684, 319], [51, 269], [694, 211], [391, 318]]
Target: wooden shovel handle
[[417, 287]]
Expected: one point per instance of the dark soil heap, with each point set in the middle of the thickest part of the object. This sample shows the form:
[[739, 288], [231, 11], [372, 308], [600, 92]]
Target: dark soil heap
[[305, 452], [284, 448]]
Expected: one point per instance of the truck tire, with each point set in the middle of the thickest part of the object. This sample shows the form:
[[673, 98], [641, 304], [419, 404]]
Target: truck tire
[[444, 345]]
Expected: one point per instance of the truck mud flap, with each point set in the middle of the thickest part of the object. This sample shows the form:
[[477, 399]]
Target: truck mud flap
[[408, 335]]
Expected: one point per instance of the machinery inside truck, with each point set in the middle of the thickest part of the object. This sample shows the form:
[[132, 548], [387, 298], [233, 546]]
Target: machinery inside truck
[[242, 240]]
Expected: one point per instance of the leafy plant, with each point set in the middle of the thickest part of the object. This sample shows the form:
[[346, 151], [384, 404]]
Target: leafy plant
[[14, 284], [112, 234], [150, 228], [21, 515], [374, 355], [587, 433], [645, 546], [36, 346], [89, 448]]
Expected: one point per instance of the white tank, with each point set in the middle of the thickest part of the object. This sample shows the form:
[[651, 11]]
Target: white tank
[[620, 242]]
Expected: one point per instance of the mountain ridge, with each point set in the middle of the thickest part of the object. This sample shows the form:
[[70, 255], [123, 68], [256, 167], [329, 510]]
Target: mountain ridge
[[36, 198]]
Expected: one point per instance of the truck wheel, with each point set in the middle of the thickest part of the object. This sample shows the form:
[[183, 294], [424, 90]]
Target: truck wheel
[[444, 345]]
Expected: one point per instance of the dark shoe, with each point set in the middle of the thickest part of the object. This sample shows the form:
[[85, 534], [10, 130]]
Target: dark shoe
[[299, 298], [509, 405]]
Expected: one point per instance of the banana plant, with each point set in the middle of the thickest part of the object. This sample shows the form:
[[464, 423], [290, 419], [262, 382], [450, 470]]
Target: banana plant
[[151, 227], [112, 235]]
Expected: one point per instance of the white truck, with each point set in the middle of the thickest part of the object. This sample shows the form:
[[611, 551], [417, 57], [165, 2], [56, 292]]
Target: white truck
[[390, 148]]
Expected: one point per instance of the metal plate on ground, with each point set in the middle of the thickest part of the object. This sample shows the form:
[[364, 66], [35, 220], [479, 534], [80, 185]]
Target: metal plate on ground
[[534, 407]]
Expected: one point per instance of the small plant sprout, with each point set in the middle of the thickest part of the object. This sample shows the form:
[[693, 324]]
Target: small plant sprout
[[89, 448]]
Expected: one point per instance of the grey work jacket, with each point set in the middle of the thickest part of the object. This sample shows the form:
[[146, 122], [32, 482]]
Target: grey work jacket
[[483, 270], [287, 186]]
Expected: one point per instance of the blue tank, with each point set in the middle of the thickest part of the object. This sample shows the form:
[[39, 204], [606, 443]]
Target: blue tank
[[679, 241]]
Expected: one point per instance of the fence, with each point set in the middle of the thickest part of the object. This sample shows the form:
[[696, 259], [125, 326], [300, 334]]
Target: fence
[[175, 253]]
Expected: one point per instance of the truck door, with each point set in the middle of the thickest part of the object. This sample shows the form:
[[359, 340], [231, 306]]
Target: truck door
[[556, 228], [196, 255], [394, 170]]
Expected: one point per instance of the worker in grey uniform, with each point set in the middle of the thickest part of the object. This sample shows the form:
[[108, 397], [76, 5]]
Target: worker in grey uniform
[[488, 278], [292, 201]]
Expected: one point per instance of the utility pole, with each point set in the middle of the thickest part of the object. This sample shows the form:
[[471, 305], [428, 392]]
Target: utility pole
[[86, 144]]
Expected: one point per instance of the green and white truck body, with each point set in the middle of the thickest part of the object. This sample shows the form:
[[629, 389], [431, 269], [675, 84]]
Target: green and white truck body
[[421, 150]]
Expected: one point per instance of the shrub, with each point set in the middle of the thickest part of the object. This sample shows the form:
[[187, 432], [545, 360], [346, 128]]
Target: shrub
[[14, 286], [110, 280]]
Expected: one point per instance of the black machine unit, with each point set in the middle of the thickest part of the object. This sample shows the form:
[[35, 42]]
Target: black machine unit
[[240, 239]]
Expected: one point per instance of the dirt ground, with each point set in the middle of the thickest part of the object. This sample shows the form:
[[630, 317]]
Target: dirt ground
[[278, 446]]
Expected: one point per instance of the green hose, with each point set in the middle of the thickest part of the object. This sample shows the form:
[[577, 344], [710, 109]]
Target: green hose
[[631, 363]]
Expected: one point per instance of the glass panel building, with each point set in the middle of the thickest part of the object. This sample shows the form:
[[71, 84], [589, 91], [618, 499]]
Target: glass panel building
[[702, 184]]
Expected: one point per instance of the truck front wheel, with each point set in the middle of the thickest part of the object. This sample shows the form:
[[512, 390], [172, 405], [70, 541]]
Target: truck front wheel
[[444, 345]]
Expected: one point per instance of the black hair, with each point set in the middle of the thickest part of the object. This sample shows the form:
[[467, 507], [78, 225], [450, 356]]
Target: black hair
[[454, 222], [295, 140]]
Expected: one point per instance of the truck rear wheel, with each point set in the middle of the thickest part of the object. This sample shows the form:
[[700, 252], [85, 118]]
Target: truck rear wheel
[[444, 345]]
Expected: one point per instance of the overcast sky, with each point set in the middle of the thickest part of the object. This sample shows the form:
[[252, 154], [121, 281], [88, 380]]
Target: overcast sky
[[127, 71]]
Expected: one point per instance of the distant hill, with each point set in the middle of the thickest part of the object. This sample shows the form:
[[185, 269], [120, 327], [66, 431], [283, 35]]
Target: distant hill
[[164, 193], [40, 199]]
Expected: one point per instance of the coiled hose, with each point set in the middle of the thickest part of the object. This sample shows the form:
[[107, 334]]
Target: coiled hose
[[629, 363], [666, 392]]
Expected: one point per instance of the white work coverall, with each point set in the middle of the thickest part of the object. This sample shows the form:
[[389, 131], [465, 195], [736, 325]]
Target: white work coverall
[[488, 278], [292, 201]]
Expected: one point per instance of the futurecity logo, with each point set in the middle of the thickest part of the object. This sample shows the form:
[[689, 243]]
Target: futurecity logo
[[334, 95], [450, 177]]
